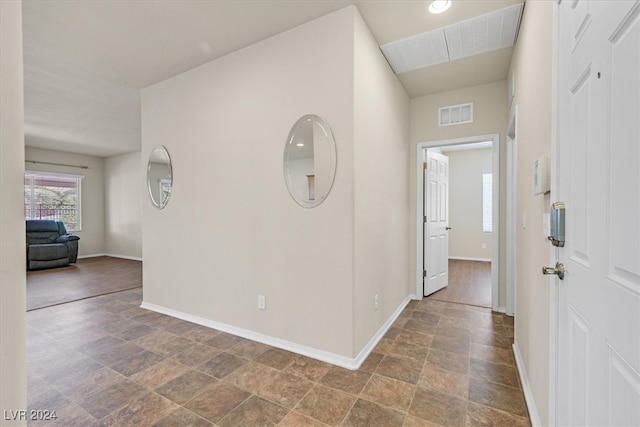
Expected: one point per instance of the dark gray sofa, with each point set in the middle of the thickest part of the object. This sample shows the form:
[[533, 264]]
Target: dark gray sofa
[[49, 245]]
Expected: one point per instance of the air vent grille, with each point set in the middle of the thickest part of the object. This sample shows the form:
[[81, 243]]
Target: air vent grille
[[455, 114]]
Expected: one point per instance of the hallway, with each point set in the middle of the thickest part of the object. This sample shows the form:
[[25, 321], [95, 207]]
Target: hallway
[[105, 361]]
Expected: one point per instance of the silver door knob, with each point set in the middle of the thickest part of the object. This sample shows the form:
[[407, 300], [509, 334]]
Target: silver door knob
[[558, 270]]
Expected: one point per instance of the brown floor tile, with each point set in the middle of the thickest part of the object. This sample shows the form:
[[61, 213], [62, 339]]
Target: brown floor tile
[[117, 353], [371, 362], [221, 365], [505, 398], [159, 373], [276, 358], [102, 403], [409, 351], [502, 356], [480, 415], [426, 316], [251, 376], [438, 407], [447, 382], [449, 361], [491, 339], [182, 418], [411, 421], [496, 373], [91, 383], [196, 355], [182, 327], [186, 386], [143, 412], [249, 349], [164, 343], [136, 363], [367, 414], [71, 415], [346, 380], [68, 371], [414, 337], [134, 332], [296, 419], [308, 368], [215, 403], [50, 400], [456, 322], [456, 312], [326, 404], [421, 326], [201, 333], [405, 370], [224, 341], [459, 345], [286, 389], [389, 392], [255, 411], [384, 346]]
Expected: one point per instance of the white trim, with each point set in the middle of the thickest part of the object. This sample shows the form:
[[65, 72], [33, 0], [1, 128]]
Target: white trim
[[66, 175], [133, 258], [495, 256], [467, 258], [526, 388], [325, 356], [511, 209]]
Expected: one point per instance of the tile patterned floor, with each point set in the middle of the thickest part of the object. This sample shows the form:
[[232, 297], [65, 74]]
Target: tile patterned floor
[[106, 362]]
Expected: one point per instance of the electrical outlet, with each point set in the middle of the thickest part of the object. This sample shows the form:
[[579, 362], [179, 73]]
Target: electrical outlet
[[484, 246], [262, 302], [376, 302]]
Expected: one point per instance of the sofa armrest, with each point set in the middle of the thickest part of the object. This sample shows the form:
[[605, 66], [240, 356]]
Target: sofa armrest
[[67, 238]]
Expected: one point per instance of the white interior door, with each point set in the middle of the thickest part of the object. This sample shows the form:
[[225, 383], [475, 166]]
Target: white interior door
[[598, 349], [436, 221]]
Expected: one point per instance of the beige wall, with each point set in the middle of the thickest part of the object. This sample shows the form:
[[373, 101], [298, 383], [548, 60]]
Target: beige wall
[[381, 195], [124, 196], [465, 203], [13, 357], [231, 230], [92, 237], [490, 116], [532, 66]]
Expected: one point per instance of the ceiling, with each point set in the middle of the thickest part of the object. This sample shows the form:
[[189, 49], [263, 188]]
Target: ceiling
[[86, 61]]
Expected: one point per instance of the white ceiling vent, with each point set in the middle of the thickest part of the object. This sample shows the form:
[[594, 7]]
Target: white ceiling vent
[[484, 33], [455, 114]]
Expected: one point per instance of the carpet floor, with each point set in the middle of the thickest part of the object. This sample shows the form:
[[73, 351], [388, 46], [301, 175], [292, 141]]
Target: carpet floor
[[89, 277]]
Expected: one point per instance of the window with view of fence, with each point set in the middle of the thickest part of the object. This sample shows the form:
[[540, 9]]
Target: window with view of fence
[[53, 196]]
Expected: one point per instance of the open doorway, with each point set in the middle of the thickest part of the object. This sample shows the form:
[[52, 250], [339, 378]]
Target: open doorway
[[467, 207]]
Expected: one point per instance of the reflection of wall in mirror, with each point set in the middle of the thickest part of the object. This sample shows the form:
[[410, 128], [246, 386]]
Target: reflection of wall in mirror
[[157, 173], [298, 171], [322, 162], [165, 191]]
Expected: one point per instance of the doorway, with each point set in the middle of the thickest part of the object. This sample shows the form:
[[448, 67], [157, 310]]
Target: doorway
[[457, 146]]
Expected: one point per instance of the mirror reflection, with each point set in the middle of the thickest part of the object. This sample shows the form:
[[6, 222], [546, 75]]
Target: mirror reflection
[[310, 161], [159, 176]]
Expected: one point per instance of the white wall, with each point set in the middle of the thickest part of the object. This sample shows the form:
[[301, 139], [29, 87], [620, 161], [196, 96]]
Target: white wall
[[236, 232], [490, 116], [532, 66], [381, 190], [124, 195], [92, 236], [465, 203], [13, 331]]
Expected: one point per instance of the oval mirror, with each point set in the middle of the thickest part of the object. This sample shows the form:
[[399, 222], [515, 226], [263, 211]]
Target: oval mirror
[[310, 161], [159, 176]]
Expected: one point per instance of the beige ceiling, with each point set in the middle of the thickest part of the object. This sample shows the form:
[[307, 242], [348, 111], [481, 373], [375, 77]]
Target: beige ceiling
[[85, 61]]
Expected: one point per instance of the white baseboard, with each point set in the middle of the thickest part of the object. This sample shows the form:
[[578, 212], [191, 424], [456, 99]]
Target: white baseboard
[[464, 258], [110, 255], [526, 388], [325, 356]]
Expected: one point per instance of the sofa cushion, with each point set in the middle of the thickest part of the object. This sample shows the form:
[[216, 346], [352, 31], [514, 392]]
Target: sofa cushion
[[41, 237], [44, 252], [35, 225]]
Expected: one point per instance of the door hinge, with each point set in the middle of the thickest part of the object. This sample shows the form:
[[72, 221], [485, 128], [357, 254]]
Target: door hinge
[[424, 273], [424, 219], [424, 165]]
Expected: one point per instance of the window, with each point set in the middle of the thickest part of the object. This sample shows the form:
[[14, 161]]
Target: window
[[487, 202], [53, 196]]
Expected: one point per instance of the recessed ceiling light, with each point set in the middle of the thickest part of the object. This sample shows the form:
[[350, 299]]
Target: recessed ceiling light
[[439, 6], [299, 144]]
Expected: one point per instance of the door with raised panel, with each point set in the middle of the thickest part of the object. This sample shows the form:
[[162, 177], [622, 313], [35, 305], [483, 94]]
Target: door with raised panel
[[598, 179], [436, 221]]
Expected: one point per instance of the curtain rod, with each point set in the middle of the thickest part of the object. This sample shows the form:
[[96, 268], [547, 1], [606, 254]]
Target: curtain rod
[[57, 164]]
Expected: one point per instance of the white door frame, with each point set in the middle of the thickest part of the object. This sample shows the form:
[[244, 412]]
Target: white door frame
[[511, 209], [495, 256]]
